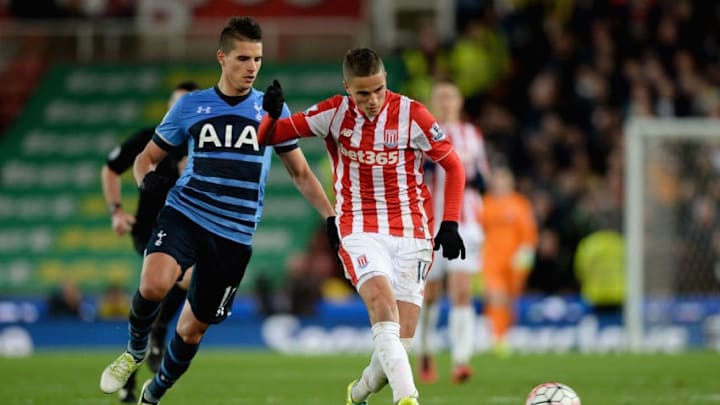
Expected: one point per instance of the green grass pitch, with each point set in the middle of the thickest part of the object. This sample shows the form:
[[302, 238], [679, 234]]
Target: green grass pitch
[[219, 377]]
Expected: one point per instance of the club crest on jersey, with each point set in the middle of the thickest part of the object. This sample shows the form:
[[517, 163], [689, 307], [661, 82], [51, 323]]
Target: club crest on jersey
[[391, 138], [346, 132], [437, 133], [362, 261], [258, 111]]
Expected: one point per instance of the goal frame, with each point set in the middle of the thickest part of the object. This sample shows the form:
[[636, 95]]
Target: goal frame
[[636, 132]]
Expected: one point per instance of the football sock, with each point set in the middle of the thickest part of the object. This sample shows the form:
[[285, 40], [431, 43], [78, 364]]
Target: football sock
[[373, 377], [142, 315], [168, 308], [428, 324], [461, 328], [175, 362], [394, 359]]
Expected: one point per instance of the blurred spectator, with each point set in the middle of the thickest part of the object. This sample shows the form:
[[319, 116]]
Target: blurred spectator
[[600, 268], [424, 63], [66, 300], [114, 303], [479, 59]]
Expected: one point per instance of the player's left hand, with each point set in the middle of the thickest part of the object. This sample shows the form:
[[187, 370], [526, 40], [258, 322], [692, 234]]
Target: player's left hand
[[273, 100], [449, 238]]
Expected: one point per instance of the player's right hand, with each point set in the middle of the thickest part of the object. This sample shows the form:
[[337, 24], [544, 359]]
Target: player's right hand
[[122, 222], [155, 183], [273, 100]]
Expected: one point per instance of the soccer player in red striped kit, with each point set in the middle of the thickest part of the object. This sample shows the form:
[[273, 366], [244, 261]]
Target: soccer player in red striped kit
[[377, 140]]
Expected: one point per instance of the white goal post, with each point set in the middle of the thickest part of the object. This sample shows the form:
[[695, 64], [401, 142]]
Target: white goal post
[[641, 139]]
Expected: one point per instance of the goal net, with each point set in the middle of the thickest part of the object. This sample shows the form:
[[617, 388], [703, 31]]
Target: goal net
[[672, 228]]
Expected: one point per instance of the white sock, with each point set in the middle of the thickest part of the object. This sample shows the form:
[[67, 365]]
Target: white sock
[[407, 345], [427, 326], [373, 377], [394, 359], [461, 327]]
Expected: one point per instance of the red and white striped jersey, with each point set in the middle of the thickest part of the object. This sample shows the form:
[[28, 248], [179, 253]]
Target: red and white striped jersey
[[378, 163], [470, 147]]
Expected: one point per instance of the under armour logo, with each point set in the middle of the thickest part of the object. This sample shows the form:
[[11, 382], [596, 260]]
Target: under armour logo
[[258, 111], [203, 110], [161, 235]]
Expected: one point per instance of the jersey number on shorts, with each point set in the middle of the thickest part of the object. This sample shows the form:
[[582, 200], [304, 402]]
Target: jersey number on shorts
[[422, 268], [226, 297]]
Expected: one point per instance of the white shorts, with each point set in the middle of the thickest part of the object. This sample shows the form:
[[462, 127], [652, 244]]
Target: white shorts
[[473, 240], [404, 261]]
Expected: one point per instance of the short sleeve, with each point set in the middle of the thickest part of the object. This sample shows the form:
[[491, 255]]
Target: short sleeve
[[170, 129]]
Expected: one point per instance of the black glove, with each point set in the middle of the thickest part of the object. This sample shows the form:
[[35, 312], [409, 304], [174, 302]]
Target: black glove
[[155, 183], [273, 100], [450, 240], [332, 234]]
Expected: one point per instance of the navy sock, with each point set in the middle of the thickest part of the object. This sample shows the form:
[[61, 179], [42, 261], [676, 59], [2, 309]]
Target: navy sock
[[142, 315], [176, 361], [168, 308]]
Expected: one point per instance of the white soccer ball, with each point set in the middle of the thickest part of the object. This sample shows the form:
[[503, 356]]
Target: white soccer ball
[[552, 393]]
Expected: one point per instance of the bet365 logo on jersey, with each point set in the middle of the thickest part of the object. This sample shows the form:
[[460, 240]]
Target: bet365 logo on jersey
[[371, 157]]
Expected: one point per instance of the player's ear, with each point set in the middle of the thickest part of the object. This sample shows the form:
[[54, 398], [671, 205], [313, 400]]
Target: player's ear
[[221, 57], [345, 85]]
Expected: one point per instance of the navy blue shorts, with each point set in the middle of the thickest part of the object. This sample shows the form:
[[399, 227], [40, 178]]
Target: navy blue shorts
[[219, 262]]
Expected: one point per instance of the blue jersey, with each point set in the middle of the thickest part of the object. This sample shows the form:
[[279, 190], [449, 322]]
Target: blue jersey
[[222, 186]]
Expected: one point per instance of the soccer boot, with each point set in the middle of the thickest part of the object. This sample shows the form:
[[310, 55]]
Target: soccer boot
[[348, 399], [428, 373], [117, 373], [141, 400], [461, 373], [408, 401]]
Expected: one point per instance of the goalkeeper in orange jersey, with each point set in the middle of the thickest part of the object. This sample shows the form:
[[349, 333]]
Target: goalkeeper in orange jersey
[[508, 253]]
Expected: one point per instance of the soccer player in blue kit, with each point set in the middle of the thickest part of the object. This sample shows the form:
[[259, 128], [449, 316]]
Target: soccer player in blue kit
[[212, 212]]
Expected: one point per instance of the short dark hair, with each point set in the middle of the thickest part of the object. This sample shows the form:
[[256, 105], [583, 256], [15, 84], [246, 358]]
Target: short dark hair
[[361, 62], [187, 85], [240, 29]]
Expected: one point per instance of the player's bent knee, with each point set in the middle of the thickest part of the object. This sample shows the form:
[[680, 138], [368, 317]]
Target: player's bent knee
[[191, 331]]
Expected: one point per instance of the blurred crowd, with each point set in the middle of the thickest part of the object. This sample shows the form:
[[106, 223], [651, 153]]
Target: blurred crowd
[[551, 84]]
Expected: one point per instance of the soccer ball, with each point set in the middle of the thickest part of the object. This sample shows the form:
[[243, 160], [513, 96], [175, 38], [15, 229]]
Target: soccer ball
[[552, 393]]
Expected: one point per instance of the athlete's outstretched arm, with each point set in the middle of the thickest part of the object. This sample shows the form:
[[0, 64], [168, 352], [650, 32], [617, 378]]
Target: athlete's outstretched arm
[[306, 181], [274, 130]]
